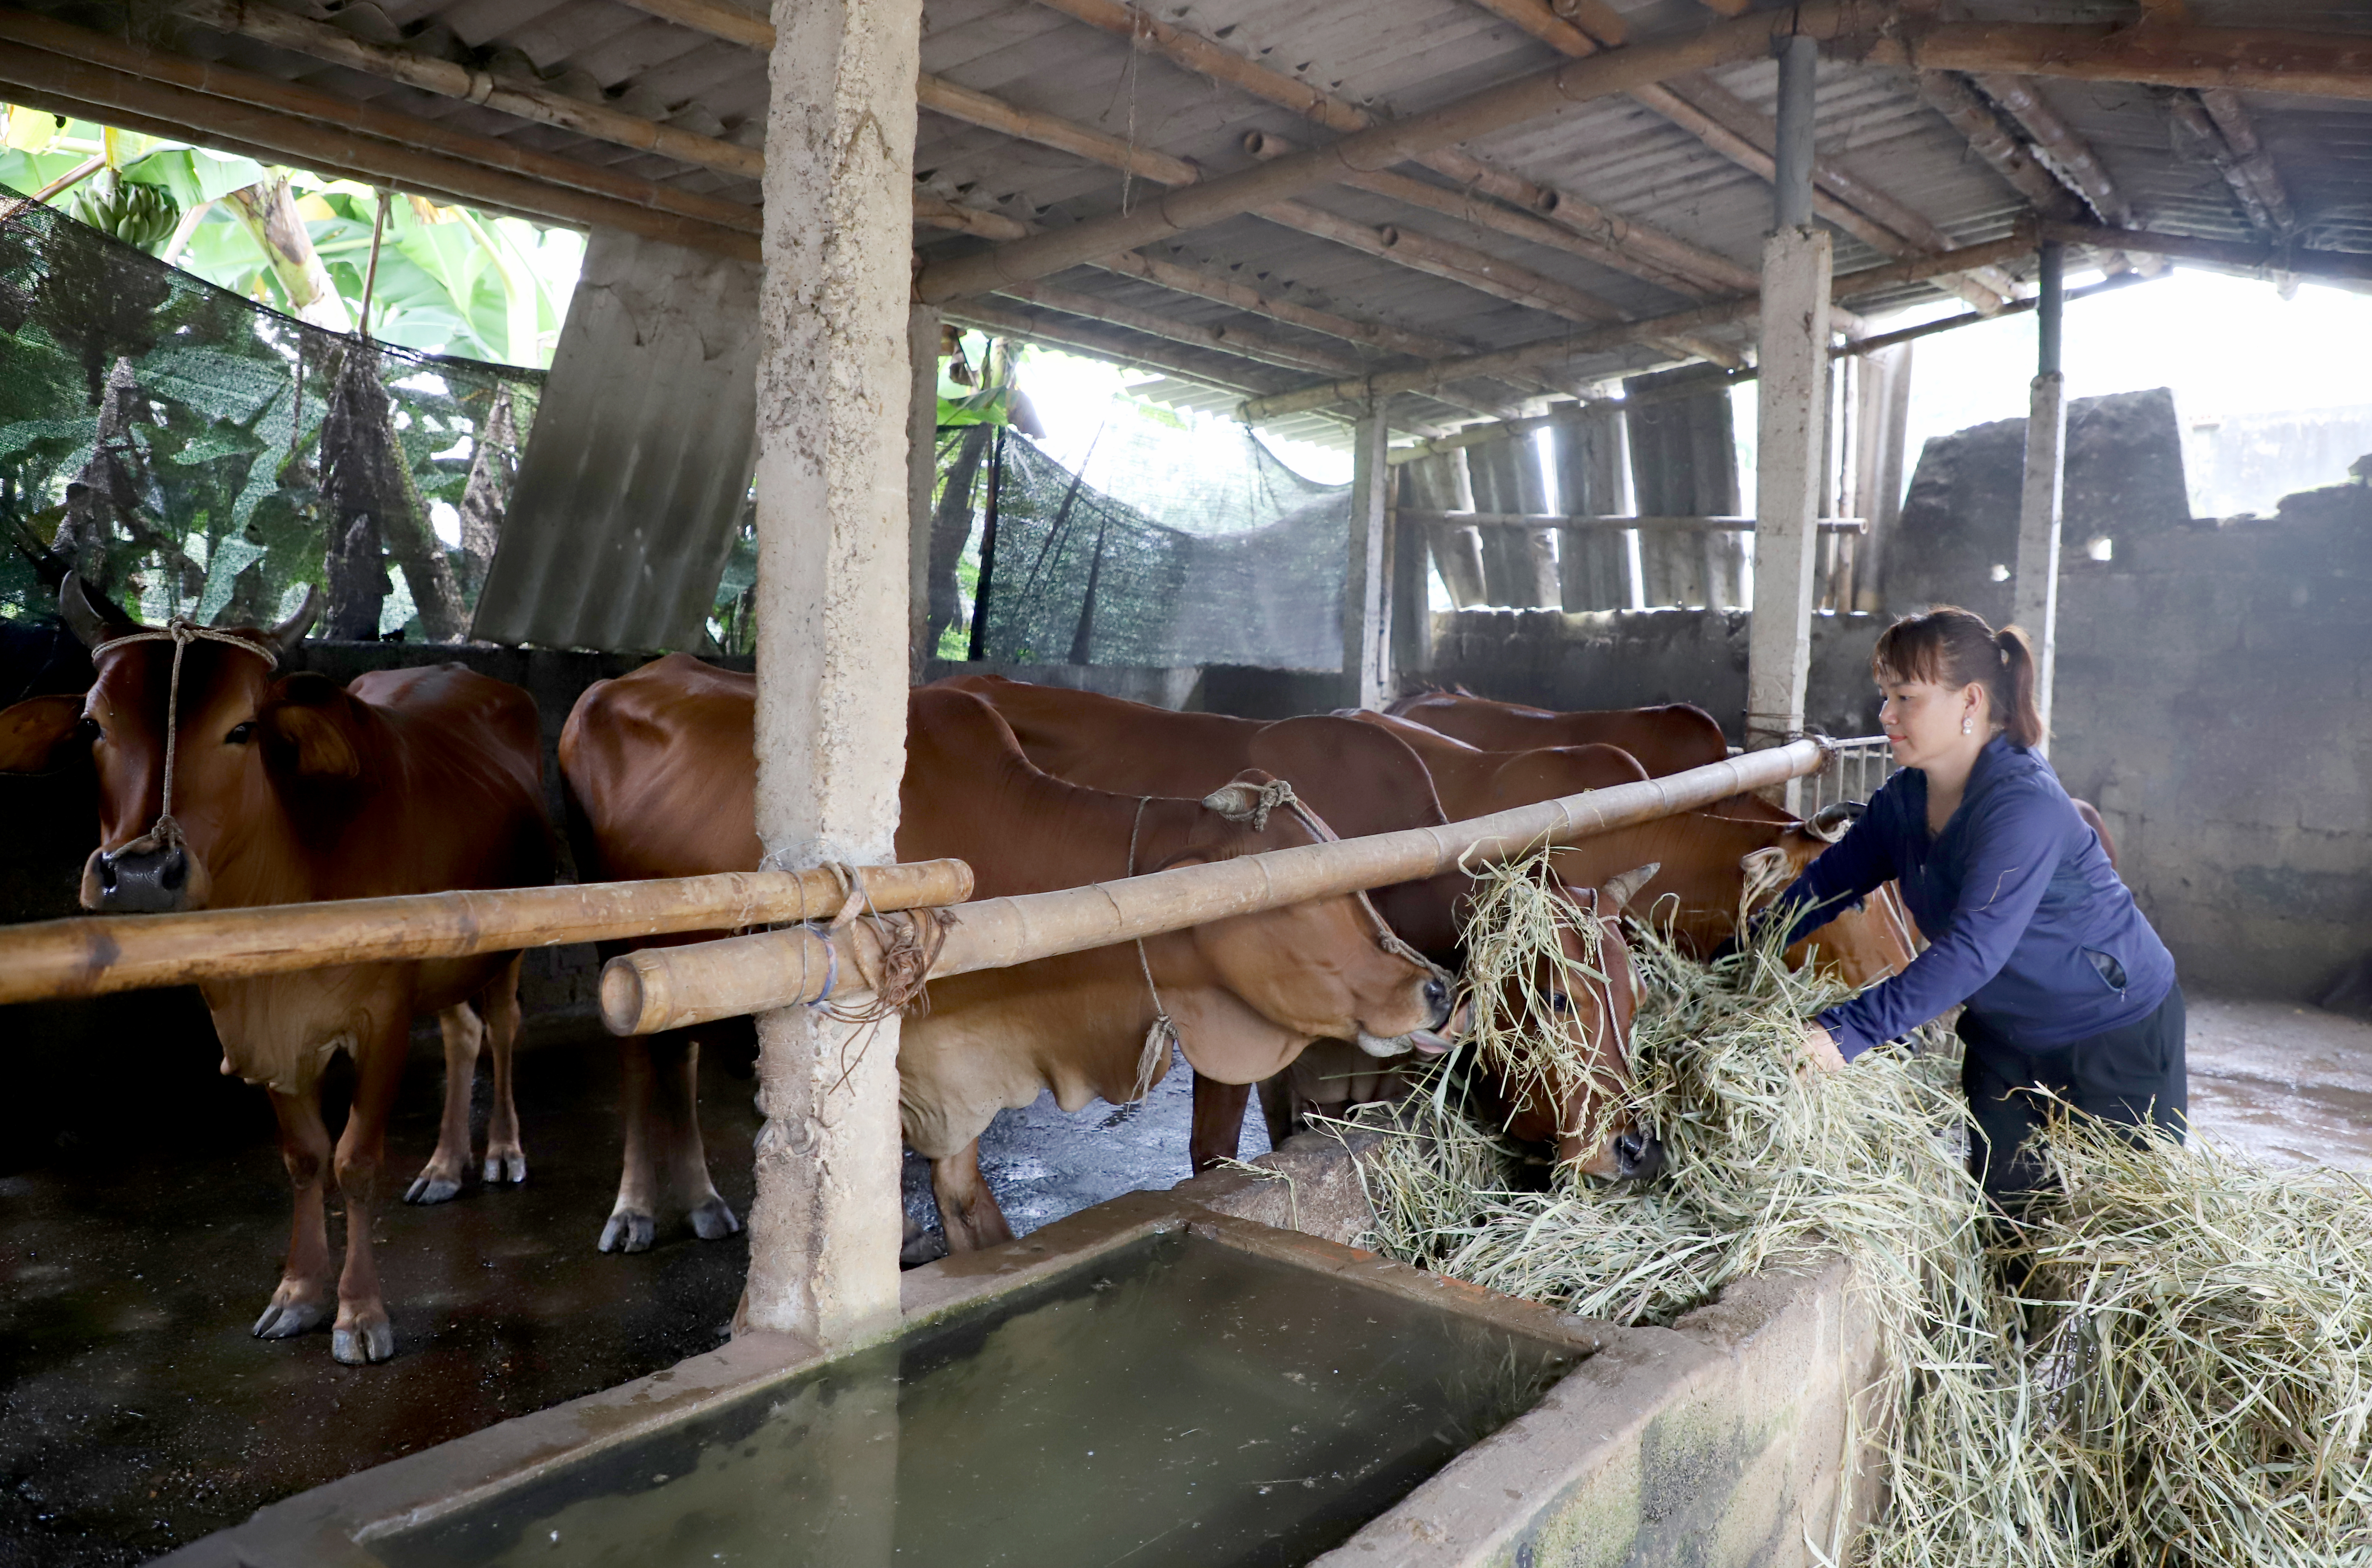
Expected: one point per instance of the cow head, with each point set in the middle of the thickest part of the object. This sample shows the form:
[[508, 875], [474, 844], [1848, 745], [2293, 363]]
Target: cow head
[[1326, 968], [1579, 1001], [1866, 944], [235, 730]]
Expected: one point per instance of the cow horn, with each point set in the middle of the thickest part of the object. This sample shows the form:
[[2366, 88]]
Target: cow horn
[[291, 631], [1829, 824], [1620, 892], [91, 624]]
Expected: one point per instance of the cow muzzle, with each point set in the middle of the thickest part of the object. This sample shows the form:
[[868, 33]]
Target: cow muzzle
[[1638, 1156], [144, 877], [1450, 1019]]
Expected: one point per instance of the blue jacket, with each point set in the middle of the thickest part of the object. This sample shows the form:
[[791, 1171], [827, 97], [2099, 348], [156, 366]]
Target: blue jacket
[[2024, 918]]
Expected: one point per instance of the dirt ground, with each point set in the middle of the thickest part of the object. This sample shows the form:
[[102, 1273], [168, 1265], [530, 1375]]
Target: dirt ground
[[136, 1414]]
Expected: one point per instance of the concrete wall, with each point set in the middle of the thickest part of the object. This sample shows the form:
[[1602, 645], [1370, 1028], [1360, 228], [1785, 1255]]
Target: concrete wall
[[2215, 700], [1624, 658]]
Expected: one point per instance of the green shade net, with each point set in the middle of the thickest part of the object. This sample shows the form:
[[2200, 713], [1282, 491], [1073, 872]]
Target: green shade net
[[164, 435]]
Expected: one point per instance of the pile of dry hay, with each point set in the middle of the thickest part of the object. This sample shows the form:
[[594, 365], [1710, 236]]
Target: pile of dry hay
[[2184, 1375]]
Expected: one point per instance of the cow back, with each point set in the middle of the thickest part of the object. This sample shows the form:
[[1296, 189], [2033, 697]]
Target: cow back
[[1667, 740]]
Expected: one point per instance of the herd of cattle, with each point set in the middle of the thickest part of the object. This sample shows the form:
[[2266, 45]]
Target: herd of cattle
[[222, 783]]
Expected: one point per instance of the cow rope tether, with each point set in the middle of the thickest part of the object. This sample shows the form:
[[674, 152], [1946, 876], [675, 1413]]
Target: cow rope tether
[[1161, 1034], [165, 833]]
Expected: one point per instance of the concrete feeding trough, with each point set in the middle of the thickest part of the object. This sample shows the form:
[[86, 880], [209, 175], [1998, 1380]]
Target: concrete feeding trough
[[1160, 1380]]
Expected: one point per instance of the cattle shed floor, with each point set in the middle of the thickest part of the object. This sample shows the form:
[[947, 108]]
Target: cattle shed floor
[[136, 1414]]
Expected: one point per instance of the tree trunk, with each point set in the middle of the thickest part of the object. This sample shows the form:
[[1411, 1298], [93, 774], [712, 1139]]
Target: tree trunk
[[950, 530], [270, 214], [368, 501], [493, 464]]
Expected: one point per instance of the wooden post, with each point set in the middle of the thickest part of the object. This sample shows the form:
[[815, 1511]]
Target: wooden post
[[2035, 601], [922, 478], [1789, 449], [833, 383], [1367, 649]]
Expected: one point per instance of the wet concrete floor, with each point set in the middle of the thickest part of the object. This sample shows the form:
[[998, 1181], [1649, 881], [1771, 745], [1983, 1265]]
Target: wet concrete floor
[[2282, 1083], [137, 1413]]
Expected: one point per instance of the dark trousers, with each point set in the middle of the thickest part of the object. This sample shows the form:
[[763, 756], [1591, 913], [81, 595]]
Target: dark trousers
[[2131, 1075]]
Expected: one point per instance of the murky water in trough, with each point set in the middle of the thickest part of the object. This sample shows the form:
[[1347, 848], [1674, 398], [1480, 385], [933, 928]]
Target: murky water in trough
[[1177, 1403]]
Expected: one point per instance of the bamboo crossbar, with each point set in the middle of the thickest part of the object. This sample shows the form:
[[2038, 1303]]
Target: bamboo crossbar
[[1617, 522], [90, 956], [655, 989]]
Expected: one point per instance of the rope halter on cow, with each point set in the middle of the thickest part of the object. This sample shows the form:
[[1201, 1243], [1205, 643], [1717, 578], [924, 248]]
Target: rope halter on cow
[[165, 833], [1161, 1034]]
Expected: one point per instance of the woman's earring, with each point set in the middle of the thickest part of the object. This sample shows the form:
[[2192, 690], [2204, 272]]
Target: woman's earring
[[1967, 724]]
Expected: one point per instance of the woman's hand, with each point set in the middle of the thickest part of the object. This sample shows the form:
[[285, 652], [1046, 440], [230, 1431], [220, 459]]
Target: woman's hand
[[1820, 1050]]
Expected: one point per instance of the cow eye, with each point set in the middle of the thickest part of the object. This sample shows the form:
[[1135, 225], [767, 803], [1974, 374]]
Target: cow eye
[[1559, 1002], [240, 734]]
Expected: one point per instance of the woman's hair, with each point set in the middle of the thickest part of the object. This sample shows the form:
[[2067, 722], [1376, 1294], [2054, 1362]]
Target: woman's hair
[[1954, 648]]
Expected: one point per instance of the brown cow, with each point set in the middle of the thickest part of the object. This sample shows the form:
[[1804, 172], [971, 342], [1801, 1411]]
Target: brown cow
[[288, 791], [1471, 782], [1668, 739], [660, 762], [1364, 770]]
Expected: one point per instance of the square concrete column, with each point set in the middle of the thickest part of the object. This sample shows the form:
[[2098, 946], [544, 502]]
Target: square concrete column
[[834, 378], [922, 477], [2034, 599], [1790, 457], [1366, 586]]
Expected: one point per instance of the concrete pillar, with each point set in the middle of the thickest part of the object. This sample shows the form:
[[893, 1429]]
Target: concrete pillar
[[922, 476], [1790, 449], [833, 383], [2035, 599], [1366, 630]]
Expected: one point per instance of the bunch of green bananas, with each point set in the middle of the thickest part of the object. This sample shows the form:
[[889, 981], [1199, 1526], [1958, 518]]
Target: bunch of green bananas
[[145, 215]]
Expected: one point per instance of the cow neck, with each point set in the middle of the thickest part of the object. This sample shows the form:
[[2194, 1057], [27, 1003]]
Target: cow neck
[[166, 831]]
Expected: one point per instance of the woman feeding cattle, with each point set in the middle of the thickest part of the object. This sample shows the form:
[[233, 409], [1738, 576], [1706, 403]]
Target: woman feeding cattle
[[2067, 990]]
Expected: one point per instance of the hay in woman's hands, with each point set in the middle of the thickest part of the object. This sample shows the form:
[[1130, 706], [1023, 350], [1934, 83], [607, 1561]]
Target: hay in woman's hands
[[2184, 1377]]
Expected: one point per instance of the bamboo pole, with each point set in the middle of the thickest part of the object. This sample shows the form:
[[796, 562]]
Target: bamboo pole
[[523, 101], [993, 314], [2338, 265], [1245, 342], [2267, 59], [62, 64], [668, 988], [92, 956]]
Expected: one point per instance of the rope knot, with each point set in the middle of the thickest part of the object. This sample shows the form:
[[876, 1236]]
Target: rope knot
[[1241, 802]]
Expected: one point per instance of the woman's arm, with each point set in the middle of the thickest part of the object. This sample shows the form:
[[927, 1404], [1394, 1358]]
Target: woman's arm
[[2011, 849]]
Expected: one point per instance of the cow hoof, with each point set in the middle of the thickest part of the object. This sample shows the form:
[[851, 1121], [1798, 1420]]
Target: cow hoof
[[627, 1232], [360, 1344], [429, 1189], [712, 1220], [507, 1167], [920, 1248], [286, 1320]]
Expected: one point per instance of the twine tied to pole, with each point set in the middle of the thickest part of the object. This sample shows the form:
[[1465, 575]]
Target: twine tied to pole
[[165, 833], [1161, 1034]]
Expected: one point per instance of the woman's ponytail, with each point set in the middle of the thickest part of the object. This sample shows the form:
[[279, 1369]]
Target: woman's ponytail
[[2013, 691]]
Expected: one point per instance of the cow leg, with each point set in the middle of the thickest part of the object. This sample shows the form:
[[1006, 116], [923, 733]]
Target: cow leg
[[967, 1210], [440, 1178], [506, 1158], [666, 1167], [362, 1333], [303, 1298], [1278, 1107], [1218, 1122]]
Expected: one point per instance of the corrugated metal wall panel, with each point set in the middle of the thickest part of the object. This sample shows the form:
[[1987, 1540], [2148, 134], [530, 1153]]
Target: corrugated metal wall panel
[[634, 478]]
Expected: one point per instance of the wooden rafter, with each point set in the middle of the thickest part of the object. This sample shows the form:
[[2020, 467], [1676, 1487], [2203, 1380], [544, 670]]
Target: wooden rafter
[[1001, 317], [2270, 60], [2337, 266], [1641, 249], [290, 121], [2255, 164], [1245, 342], [2071, 157], [524, 100], [1969, 113]]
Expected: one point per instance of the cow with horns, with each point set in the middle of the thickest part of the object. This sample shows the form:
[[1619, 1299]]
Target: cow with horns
[[223, 784]]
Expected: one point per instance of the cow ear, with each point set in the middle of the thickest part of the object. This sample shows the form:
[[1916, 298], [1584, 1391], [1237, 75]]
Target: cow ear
[[1618, 892], [311, 716], [35, 734], [1766, 871]]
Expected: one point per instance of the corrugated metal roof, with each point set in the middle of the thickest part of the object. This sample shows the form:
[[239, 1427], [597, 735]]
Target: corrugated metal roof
[[634, 477]]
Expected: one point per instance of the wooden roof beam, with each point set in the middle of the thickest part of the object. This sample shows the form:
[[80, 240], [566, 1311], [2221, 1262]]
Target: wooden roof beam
[[1005, 320], [2268, 60], [2255, 164], [2273, 261], [1498, 108], [1421, 252], [2075, 162], [1244, 343], [1974, 118], [197, 100], [1640, 249], [524, 101]]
